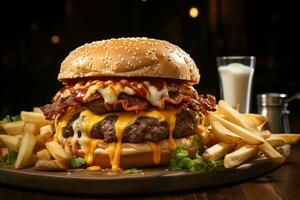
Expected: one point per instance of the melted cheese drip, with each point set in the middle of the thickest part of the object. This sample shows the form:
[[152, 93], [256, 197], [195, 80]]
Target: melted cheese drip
[[94, 168], [90, 91], [203, 120], [86, 120], [155, 95], [111, 92], [89, 156], [123, 121], [202, 127], [128, 91], [171, 119], [65, 94], [111, 151], [89, 119], [156, 152], [61, 123]]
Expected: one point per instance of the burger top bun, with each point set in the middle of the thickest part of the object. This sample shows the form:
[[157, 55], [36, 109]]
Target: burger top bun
[[129, 57]]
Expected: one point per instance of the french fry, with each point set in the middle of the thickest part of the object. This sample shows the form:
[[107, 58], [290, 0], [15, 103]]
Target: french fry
[[12, 128], [32, 160], [68, 151], [245, 134], [271, 153], [26, 148], [43, 155], [11, 141], [3, 151], [223, 134], [36, 118], [289, 138], [217, 151], [240, 156], [30, 127], [37, 110], [57, 152], [39, 145], [48, 165], [236, 117], [45, 132], [275, 141], [239, 144], [256, 119], [285, 150], [265, 134]]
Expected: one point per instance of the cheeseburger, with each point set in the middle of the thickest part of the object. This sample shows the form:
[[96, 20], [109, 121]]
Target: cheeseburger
[[128, 102]]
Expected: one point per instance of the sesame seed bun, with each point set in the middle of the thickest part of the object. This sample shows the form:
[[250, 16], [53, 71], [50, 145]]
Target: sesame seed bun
[[129, 57]]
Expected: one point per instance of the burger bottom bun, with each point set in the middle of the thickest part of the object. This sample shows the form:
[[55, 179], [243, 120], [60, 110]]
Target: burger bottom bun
[[141, 155]]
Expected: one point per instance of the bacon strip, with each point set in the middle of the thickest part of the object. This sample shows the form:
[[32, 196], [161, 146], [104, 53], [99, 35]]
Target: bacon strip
[[59, 106], [128, 103]]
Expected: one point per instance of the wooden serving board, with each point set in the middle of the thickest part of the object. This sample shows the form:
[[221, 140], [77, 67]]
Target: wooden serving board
[[154, 180]]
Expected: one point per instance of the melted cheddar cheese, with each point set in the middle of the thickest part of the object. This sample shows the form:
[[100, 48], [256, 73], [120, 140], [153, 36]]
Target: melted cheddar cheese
[[123, 121], [86, 120], [171, 121], [61, 121], [156, 152], [94, 168], [89, 155]]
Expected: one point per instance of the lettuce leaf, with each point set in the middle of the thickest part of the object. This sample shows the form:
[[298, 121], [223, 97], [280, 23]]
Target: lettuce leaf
[[11, 157], [9, 118], [77, 162], [181, 161]]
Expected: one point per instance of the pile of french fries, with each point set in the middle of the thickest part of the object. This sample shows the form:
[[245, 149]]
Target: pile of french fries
[[238, 138], [32, 138]]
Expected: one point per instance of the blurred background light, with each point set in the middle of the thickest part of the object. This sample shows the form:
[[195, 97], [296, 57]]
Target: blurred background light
[[193, 12], [55, 39]]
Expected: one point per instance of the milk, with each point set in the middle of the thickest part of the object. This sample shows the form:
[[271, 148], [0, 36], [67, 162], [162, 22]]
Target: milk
[[236, 81]]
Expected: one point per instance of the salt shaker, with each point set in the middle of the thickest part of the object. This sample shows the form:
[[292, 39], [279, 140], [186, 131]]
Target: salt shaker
[[274, 107]]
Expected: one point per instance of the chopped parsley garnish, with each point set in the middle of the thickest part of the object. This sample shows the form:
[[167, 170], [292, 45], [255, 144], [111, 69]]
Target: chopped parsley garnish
[[181, 161]]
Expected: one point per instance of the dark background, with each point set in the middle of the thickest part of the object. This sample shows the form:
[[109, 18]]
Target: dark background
[[30, 57]]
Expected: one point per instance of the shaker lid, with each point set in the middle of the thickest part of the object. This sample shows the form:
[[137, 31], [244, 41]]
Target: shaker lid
[[271, 99]]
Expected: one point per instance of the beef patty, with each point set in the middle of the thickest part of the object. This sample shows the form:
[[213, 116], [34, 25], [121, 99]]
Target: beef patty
[[142, 130]]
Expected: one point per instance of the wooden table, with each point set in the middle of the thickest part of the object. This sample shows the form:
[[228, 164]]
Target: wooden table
[[282, 183]]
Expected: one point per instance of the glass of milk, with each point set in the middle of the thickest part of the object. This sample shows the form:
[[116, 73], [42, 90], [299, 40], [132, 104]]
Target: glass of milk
[[236, 75]]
